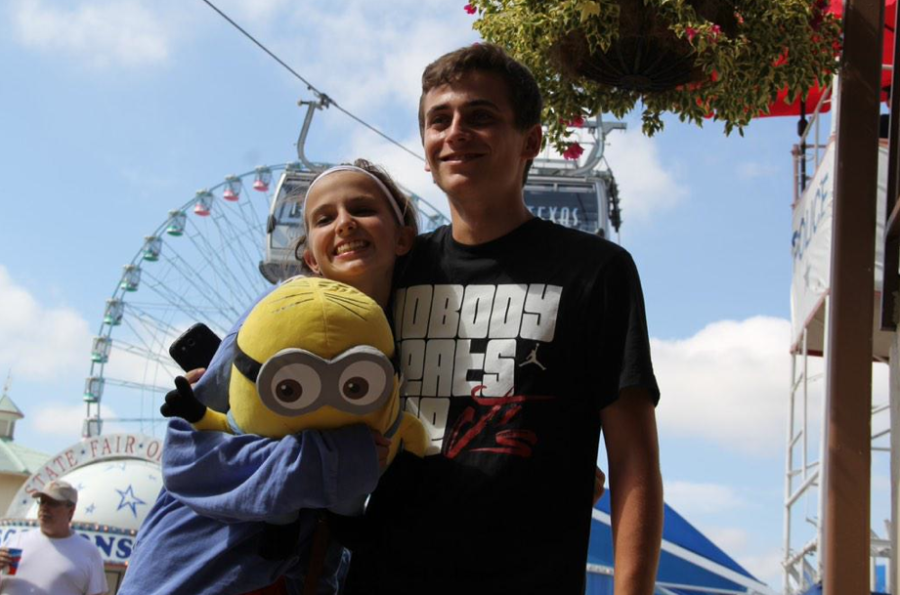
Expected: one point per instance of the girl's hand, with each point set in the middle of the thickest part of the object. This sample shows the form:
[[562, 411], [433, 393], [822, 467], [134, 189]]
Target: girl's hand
[[382, 446], [194, 376]]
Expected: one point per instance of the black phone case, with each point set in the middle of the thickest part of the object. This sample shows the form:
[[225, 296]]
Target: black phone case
[[195, 347]]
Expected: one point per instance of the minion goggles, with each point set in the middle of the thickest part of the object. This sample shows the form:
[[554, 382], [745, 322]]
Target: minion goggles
[[295, 382]]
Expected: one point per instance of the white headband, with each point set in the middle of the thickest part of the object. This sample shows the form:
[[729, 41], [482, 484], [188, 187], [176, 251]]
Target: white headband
[[338, 168]]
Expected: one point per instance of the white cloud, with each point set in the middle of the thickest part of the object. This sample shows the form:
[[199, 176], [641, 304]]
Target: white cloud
[[690, 498], [728, 539], [370, 57], [255, 11], [728, 384], [765, 566], [102, 32], [62, 420], [37, 341], [646, 186]]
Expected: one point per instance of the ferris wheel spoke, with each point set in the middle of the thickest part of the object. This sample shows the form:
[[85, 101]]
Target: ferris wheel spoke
[[253, 220], [215, 274], [204, 290], [231, 242], [178, 301], [223, 271], [152, 324], [241, 239], [138, 386], [146, 354]]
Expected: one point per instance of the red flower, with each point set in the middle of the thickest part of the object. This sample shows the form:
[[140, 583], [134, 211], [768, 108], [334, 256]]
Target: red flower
[[576, 122], [469, 9], [573, 152], [690, 32], [716, 31]]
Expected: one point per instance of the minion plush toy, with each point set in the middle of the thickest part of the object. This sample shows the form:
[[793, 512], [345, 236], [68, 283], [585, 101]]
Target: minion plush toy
[[314, 354]]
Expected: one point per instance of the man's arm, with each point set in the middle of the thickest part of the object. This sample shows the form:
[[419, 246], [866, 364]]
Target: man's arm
[[635, 484]]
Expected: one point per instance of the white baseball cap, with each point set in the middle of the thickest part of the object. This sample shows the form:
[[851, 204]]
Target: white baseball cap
[[58, 490]]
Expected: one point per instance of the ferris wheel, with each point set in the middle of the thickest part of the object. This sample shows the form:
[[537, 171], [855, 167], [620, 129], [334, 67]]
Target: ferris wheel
[[206, 262]]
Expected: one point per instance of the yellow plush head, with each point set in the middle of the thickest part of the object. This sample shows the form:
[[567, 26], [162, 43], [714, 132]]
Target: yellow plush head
[[314, 354]]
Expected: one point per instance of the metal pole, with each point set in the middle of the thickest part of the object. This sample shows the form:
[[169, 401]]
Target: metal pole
[[788, 475], [894, 399], [847, 469]]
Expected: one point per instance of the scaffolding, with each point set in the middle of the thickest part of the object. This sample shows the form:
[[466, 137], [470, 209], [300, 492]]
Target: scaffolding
[[804, 499]]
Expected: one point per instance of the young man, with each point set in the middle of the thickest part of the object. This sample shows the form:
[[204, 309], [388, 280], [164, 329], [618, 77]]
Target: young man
[[54, 560], [518, 340]]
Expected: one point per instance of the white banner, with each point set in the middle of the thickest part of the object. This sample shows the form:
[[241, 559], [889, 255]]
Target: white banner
[[811, 241], [811, 245]]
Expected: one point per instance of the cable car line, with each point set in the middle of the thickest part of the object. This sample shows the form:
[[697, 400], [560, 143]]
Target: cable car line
[[326, 100]]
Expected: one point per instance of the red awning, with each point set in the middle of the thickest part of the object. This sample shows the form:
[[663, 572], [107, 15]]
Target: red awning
[[781, 108]]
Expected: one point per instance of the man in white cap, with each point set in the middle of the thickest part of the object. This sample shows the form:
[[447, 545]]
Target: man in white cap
[[54, 560]]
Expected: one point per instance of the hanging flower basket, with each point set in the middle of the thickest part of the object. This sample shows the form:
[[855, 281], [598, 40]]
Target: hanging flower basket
[[646, 55], [699, 59]]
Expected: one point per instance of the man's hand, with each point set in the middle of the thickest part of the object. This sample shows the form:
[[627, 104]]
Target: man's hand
[[599, 487], [382, 446], [635, 484], [5, 559]]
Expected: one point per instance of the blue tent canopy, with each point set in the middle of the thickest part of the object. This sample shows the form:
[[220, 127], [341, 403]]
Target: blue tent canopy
[[689, 564]]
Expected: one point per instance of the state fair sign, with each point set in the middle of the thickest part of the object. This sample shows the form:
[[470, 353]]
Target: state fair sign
[[118, 480], [90, 451]]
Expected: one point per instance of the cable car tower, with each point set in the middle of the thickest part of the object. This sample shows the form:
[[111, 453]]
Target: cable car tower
[[577, 194]]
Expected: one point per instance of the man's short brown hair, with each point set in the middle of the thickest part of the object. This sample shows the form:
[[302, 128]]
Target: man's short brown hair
[[523, 93]]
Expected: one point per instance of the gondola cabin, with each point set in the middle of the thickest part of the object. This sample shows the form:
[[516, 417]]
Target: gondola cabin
[[284, 226], [579, 203]]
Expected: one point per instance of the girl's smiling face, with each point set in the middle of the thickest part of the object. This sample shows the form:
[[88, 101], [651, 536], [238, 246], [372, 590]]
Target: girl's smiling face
[[352, 233]]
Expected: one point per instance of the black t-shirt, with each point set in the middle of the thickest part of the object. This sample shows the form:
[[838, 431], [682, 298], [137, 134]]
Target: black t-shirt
[[509, 350]]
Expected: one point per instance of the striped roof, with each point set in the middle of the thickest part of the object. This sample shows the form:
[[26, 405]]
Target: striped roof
[[7, 406], [15, 458]]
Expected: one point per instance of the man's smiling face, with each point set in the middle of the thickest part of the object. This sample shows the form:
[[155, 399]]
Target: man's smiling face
[[472, 146]]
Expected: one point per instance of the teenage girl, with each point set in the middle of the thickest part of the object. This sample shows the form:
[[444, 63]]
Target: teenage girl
[[202, 535]]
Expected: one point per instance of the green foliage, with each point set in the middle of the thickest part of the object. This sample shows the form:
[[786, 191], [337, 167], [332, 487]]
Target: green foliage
[[777, 44]]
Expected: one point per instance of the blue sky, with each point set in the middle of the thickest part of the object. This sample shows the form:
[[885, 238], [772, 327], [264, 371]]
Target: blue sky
[[114, 112]]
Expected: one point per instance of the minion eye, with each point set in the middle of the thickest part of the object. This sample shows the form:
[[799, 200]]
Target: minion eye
[[363, 383], [295, 386]]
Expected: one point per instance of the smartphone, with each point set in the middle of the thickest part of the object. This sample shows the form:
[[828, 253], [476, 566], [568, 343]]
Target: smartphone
[[195, 347]]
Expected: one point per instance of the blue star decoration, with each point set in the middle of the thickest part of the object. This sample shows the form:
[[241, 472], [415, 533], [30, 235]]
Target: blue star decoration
[[129, 500], [113, 466], [90, 509]]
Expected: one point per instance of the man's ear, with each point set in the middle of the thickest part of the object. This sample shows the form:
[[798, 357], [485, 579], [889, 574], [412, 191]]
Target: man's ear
[[405, 240], [533, 142], [310, 261]]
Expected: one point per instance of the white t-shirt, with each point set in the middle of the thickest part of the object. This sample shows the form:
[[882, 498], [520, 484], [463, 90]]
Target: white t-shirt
[[54, 566]]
